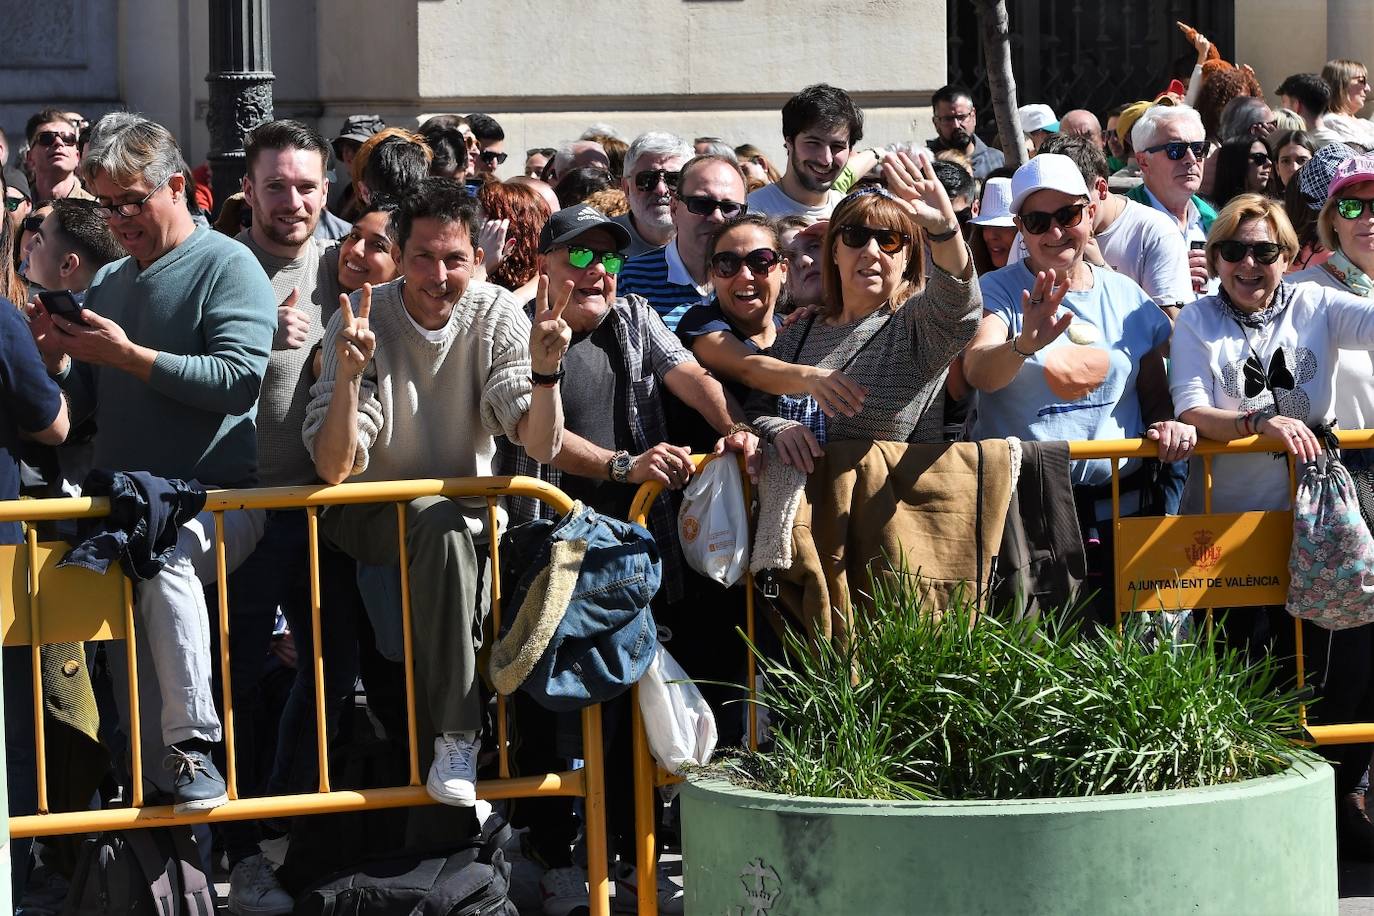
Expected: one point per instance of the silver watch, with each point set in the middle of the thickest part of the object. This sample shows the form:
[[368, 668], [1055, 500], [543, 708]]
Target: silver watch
[[619, 466]]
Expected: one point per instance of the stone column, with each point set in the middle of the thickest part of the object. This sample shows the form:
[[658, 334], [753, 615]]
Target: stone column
[[240, 81]]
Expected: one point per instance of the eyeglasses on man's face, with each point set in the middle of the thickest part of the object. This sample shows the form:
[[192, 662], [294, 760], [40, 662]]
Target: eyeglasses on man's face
[[131, 208]]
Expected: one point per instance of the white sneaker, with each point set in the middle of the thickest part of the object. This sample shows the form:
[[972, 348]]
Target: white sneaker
[[565, 891], [626, 899], [254, 891], [453, 774]]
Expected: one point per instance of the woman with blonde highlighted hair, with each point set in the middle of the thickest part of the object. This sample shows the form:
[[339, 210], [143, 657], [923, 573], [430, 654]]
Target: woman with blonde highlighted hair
[[1259, 357], [1348, 82]]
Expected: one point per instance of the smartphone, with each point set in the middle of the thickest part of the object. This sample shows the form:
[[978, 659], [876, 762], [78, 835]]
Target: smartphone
[[1198, 245], [61, 302]]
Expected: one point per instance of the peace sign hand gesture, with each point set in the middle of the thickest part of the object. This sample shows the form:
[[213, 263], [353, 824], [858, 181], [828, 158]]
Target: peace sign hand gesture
[[1041, 322], [550, 334], [915, 185], [356, 343]]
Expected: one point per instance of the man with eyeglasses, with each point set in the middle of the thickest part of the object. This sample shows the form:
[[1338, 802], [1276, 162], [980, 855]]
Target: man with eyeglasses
[[820, 126], [53, 156], [955, 119], [710, 190], [651, 173], [491, 139], [1170, 146], [619, 370], [169, 354]]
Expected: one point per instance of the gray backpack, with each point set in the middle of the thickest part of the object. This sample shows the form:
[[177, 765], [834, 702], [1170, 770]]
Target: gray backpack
[[154, 871]]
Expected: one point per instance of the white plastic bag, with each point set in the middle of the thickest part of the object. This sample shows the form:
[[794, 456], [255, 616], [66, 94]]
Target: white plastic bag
[[677, 719], [712, 525]]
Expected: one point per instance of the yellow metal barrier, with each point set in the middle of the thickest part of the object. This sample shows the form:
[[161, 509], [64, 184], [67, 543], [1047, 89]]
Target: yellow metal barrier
[[1164, 553], [82, 606]]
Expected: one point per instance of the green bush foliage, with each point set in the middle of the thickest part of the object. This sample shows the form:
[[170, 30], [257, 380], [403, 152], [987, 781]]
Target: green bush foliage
[[918, 708]]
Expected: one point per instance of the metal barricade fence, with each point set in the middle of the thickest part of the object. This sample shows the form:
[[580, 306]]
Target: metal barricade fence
[[1192, 562], [45, 605]]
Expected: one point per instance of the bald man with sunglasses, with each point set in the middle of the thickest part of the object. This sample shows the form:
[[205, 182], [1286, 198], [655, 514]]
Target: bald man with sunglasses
[[710, 190]]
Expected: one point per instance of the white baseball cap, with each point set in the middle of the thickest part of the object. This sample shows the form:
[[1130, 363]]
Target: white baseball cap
[[995, 209], [1046, 172], [1037, 117]]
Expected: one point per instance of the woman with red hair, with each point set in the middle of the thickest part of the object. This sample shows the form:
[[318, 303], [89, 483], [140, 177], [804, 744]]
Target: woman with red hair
[[525, 214]]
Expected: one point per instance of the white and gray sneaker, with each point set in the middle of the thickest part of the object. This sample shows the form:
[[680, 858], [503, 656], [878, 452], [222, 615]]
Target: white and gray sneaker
[[453, 774], [565, 891], [627, 890], [254, 891]]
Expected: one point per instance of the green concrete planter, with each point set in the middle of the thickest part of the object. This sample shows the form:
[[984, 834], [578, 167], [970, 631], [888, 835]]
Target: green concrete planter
[[1256, 847]]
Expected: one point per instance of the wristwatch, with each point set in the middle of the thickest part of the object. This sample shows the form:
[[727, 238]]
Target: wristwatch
[[619, 467]]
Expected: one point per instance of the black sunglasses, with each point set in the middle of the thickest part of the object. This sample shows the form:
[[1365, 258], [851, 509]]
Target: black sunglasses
[[725, 264], [705, 206], [50, 137], [648, 179], [491, 157], [1233, 252], [1260, 158], [1175, 149], [1037, 222], [890, 241]]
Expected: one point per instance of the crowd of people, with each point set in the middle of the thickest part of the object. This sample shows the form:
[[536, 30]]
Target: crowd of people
[[383, 307]]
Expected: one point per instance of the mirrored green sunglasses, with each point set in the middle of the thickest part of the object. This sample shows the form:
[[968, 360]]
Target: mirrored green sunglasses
[[582, 258]]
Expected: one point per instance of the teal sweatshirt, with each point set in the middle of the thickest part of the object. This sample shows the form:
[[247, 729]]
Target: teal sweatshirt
[[208, 309]]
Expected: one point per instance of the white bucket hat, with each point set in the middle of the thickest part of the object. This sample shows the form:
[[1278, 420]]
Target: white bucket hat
[[995, 208]]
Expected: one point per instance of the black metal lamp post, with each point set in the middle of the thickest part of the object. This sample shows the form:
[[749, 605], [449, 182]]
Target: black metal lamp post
[[240, 81]]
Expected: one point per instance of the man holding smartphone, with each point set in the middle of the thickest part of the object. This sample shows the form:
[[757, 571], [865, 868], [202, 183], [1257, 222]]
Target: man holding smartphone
[[169, 358]]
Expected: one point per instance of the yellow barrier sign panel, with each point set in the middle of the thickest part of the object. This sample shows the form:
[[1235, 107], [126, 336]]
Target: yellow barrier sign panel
[[1203, 561], [78, 604]]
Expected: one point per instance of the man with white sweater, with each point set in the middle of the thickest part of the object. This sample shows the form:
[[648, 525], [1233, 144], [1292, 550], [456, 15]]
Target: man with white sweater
[[419, 375]]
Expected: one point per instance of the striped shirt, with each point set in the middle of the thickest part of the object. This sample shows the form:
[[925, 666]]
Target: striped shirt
[[903, 365], [662, 279]]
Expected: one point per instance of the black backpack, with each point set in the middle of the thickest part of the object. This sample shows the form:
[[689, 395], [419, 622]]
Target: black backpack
[[154, 871], [472, 881]]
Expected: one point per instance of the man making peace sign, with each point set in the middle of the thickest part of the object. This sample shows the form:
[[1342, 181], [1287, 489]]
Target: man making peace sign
[[419, 375]]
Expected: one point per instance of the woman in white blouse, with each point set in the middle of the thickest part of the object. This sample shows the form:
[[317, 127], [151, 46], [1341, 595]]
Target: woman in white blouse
[[1260, 357]]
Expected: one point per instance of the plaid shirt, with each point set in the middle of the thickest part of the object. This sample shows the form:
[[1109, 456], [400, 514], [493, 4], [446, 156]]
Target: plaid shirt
[[649, 351]]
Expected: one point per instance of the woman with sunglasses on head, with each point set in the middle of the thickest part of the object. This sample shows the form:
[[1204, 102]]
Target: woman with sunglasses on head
[[729, 334], [1067, 351], [1242, 167], [887, 323], [1347, 84]]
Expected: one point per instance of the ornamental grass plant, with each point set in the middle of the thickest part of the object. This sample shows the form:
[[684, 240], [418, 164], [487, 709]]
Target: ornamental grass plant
[[973, 707]]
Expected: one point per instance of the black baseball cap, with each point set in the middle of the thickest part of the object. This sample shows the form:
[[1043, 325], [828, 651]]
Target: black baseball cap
[[570, 222]]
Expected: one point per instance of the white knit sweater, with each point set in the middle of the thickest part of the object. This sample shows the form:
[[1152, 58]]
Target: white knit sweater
[[431, 408]]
